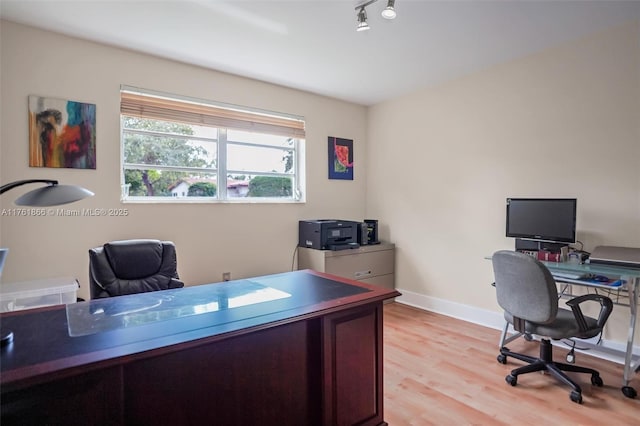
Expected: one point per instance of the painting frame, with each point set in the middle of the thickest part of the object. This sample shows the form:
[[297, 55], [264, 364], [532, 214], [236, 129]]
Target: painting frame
[[340, 158], [62, 133]]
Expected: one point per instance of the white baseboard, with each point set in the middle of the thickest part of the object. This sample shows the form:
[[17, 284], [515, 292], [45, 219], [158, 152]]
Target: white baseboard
[[609, 350], [452, 309]]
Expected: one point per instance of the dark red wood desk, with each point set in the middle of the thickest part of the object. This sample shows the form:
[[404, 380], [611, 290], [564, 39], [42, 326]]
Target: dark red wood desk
[[298, 348]]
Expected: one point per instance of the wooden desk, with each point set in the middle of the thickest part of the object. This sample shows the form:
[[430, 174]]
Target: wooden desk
[[310, 355]]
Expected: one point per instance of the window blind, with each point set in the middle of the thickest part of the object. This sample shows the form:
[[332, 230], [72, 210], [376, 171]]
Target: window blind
[[154, 106]]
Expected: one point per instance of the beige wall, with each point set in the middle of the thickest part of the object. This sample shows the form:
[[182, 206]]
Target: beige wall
[[440, 162], [248, 240], [560, 123]]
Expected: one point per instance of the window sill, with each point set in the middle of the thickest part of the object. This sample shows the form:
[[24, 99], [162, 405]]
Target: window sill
[[194, 200]]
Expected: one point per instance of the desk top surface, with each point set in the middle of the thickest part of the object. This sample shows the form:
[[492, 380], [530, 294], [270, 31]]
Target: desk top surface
[[81, 333], [593, 268]]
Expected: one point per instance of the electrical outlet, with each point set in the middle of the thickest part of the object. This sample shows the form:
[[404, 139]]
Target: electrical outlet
[[226, 276]]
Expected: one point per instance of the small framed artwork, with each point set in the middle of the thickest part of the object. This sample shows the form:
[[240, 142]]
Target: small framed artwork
[[62, 133], [340, 158]]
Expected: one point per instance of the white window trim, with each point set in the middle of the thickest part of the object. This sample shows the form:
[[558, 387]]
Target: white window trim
[[298, 175]]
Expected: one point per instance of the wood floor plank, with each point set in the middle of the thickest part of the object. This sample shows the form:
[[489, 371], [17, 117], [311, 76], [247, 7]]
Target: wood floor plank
[[442, 371]]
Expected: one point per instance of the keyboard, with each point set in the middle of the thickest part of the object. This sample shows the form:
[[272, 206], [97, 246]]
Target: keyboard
[[589, 279], [568, 275]]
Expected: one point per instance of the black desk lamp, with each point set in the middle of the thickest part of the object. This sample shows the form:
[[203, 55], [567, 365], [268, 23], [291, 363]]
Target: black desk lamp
[[50, 195]]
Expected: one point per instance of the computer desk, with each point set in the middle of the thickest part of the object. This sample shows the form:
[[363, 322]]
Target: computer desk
[[629, 291]]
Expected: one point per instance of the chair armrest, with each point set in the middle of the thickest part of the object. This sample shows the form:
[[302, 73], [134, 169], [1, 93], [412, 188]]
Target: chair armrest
[[175, 283], [606, 307]]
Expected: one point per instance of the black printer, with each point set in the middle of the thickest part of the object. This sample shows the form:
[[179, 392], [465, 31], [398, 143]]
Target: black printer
[[328, 234]]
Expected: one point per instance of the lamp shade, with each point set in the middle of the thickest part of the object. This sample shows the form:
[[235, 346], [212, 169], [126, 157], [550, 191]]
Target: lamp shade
[[53, 195], [50, 195]]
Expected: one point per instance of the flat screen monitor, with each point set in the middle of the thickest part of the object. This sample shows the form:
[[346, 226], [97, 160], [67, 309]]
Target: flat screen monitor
[[542, 219]]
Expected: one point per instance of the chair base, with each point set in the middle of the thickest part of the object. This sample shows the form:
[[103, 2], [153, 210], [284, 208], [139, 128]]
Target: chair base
[[545, 363]]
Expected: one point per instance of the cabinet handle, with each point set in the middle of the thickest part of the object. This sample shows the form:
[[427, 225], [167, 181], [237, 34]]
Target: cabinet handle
[[361, 274]]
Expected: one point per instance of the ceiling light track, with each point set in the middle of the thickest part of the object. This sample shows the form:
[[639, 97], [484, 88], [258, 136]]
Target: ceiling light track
[[389, 12]]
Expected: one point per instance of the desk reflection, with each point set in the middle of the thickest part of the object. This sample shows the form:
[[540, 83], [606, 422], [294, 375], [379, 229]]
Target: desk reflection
[[100, 315]]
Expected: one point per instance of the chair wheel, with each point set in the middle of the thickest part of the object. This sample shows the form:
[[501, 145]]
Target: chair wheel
[[596, 380], [528, 337], [502, 359], [512, 380], [576, 397], [629, 392]]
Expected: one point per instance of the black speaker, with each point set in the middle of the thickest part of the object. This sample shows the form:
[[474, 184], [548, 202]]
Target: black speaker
[[372, 231]]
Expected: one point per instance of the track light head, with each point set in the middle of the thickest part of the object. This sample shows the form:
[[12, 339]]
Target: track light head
[[389, 12], [362, 20]]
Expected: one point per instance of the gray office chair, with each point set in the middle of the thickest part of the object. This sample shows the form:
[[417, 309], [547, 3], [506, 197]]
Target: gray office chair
[[527, 292]]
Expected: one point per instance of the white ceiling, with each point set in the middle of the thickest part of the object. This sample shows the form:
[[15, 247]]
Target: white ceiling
[[312, 44]]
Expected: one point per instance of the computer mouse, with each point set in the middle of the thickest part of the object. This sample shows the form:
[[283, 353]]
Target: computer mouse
[[601, 278]]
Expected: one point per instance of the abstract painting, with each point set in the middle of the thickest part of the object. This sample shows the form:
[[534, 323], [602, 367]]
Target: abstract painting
[[340, 158], [62, 133]]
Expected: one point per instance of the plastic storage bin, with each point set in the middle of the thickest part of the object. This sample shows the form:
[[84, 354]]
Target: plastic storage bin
[[37, 293]]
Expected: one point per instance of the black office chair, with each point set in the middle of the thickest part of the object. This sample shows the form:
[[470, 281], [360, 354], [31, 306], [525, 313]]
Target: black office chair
[[527, 292], [132, 266]]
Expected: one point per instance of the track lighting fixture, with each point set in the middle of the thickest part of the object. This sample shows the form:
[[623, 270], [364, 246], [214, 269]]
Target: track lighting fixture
[[362, 20], [389, 12]]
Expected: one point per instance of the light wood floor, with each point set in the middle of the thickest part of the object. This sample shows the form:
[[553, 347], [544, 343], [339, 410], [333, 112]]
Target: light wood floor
[[443, 371]]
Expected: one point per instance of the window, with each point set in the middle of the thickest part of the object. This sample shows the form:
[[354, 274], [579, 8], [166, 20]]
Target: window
[[178, 150]]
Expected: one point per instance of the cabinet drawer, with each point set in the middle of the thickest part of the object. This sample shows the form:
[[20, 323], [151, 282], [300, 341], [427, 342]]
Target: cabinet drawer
[[386, 281], [361, 266]]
